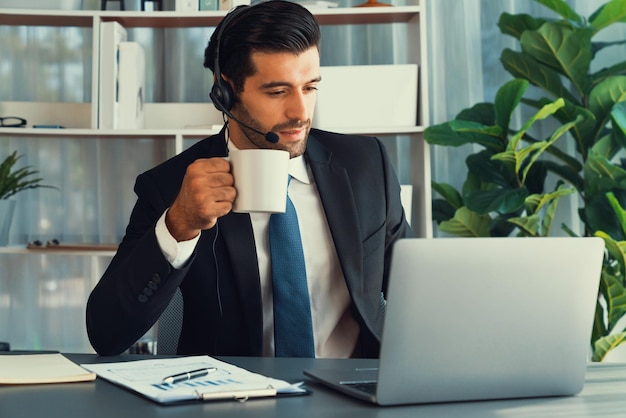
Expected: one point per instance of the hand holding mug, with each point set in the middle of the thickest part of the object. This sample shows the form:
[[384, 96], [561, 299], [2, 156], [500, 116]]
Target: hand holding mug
[[206, 193]]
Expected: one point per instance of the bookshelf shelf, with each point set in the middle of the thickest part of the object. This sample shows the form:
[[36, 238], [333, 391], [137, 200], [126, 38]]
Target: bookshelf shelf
[[133, 19]]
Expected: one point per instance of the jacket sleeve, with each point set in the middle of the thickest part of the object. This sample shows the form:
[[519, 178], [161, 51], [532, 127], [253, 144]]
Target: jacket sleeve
[[139, 282]]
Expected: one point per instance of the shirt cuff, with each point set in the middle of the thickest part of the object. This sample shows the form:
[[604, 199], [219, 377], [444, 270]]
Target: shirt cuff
[[176, 253]]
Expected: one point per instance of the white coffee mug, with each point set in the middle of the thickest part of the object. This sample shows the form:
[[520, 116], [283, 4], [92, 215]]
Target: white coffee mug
[[261, 179]]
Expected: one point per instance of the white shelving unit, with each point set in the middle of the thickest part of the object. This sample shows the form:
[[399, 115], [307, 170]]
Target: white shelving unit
[[178, 122], [168, 120]]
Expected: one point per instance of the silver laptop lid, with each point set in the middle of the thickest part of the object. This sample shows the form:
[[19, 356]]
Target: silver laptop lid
[[488, 318]]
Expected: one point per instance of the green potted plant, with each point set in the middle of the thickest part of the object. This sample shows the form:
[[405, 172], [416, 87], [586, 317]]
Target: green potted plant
[[556, 57], [12, 181]]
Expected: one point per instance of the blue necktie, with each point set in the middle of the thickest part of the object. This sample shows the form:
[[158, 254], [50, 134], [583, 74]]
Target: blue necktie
[[293, 329]]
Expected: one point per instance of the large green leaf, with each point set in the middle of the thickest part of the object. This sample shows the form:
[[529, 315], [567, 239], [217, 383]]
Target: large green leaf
[[616, 249], [483, 113], [467, 224], [617, 208], [449, 193], [608, 13], [603, 345], [546, 111], [548, 216], [497, 200], [598, 215], [583, 132], [535, 202], [564, 50], [523, 65], [515, 25], [601, 175], [457, 132], [531, 153], [599, 329], [442, 210], [618, 122], [615, 69], [487, 170], [563, 9], [584, 129], [528, 224], [606, 146], [507, 99], [616, 302], [603, 97]]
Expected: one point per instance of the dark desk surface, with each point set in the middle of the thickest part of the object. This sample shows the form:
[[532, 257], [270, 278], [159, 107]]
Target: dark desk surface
[[604, 395]]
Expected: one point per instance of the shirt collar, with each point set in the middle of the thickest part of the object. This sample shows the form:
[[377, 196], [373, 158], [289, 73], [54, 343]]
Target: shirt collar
[[297, 166]]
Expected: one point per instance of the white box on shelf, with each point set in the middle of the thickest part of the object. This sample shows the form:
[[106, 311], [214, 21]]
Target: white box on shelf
[[187, 5], [111, 35], [367, 96], [132, 76]]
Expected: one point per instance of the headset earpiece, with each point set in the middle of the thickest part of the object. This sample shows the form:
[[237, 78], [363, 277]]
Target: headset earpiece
[[222, 93]]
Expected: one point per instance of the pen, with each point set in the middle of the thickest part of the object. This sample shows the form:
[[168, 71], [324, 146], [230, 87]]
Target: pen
[[193, 374], [238, 395]]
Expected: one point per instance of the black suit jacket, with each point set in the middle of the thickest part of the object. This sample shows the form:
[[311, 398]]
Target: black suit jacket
[[220, 284]]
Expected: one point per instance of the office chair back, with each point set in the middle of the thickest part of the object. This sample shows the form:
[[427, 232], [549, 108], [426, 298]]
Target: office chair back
[[170, 325]]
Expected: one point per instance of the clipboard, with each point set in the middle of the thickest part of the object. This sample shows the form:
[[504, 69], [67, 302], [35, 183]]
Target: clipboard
[[149, 378]]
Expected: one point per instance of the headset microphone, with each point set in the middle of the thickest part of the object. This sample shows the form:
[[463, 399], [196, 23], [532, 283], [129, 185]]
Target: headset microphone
[[269, 136]]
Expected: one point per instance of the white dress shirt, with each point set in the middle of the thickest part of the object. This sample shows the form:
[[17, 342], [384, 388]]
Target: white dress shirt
[[335, 330]]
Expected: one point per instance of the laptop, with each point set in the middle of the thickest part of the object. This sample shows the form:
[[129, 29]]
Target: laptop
[[481, 318]]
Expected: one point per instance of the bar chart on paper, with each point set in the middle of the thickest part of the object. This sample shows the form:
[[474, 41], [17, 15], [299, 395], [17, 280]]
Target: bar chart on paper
[[161, 380]]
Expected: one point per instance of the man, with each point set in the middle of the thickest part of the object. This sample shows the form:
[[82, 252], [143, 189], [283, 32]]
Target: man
[[183, 234]]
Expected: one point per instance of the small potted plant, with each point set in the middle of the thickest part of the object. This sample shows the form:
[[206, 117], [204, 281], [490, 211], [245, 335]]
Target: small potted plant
[[13, 181]]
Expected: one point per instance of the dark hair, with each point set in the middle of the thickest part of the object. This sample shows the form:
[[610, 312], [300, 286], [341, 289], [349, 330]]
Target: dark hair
[[270, 26]]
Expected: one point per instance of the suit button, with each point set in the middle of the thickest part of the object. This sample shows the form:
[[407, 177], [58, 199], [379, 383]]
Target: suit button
[[156, 278], [152, 285], [147, 292], [142, 298]]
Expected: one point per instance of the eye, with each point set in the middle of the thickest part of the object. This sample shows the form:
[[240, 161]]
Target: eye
[[276, 92]]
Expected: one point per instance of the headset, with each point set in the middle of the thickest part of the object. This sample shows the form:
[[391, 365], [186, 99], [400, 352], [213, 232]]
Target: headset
[[222, 94]]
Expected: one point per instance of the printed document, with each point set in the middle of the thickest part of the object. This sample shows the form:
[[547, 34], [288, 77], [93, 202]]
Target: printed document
[[225, 381]]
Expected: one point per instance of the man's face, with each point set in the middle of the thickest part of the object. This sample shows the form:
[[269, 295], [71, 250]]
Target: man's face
[[280, 97]]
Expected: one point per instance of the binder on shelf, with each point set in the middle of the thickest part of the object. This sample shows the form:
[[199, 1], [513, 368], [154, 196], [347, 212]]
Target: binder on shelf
[[111, 35], [131, 85]]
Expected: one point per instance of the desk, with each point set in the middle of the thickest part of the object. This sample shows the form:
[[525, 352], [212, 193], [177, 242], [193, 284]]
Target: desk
[[604, 395]]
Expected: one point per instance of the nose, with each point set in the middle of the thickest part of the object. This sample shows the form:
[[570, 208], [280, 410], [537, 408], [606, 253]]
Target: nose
[[300, 106]]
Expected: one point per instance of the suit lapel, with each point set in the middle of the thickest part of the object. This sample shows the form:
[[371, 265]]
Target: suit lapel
[[337, 199], [236, 228]]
